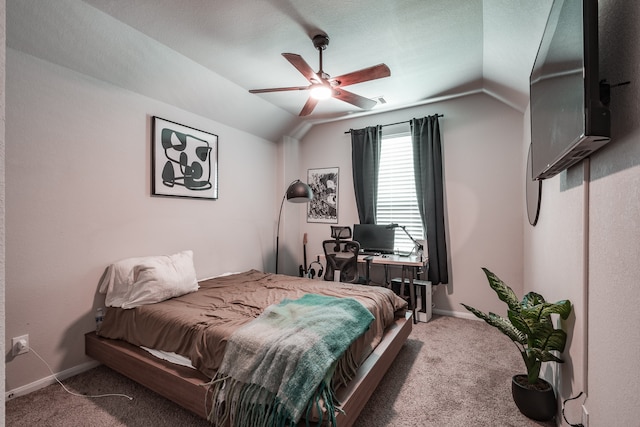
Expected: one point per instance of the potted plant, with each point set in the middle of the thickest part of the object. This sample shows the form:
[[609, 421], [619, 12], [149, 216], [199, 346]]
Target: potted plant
[[530, 327]]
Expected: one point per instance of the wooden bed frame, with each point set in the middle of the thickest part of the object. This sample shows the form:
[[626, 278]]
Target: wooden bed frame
[[183, 385]]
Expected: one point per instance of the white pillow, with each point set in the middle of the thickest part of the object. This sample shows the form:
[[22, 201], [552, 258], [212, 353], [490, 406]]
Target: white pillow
[[118, 280], [146, 280], [162, 278]]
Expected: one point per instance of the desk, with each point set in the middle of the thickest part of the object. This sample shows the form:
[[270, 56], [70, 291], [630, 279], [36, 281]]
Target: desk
[[410, 266]]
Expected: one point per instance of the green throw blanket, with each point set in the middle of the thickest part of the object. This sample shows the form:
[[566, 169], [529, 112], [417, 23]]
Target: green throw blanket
[[278, 367]]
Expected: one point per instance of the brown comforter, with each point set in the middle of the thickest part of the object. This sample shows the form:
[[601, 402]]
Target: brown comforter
[[197, 325]]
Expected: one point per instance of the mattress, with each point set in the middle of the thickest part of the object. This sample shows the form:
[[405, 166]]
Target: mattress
[[197, 325]]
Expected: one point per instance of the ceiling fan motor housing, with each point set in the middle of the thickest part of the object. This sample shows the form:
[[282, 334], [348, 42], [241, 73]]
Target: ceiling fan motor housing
[[321, 41]]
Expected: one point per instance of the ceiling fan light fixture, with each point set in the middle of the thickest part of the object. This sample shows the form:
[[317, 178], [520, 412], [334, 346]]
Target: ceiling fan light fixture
[[324, 87], [320, 92]]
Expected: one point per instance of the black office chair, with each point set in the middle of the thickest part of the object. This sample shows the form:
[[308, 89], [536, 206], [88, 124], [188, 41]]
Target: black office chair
[[342, 256], [340, 232]]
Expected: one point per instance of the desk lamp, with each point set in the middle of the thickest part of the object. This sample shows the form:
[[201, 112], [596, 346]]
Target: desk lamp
[[298, 192], [416, 244]]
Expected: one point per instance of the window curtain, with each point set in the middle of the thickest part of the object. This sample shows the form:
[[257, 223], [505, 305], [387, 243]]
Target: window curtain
[[427, 163], [365, 164]]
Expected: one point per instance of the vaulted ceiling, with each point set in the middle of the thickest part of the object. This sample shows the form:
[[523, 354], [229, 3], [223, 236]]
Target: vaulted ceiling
[[434, 49]]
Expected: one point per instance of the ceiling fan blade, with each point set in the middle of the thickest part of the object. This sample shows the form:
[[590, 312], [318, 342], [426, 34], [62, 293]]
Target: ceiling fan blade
[[352, 98], [308, 106], [279, 89], [372, 73], [302, 66]]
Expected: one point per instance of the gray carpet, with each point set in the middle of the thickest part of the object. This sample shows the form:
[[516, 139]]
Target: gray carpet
[[451, 372]]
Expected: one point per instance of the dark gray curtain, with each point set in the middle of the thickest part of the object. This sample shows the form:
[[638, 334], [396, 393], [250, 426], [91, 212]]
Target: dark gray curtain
[[427, 163], [365, 164]]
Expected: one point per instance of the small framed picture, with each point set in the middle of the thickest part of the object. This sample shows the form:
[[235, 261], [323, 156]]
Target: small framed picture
[[184, 161], [324, 205]]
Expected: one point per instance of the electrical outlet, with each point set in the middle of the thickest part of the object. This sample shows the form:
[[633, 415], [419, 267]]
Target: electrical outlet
[[585, 417], [20, 345]]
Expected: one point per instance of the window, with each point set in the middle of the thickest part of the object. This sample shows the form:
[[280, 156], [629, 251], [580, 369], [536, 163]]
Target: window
[[397, 202]]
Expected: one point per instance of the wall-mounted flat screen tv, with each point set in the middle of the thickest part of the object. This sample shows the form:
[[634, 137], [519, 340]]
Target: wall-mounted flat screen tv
[[568, 119]]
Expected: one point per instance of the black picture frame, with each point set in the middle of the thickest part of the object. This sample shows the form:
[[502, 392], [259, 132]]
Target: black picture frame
[[323, 207], [184, 161]]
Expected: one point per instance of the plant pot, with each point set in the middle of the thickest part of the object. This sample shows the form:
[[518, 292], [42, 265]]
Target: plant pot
[[537, 401]]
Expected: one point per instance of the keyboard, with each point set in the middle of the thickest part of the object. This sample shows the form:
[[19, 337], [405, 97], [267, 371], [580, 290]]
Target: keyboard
[[374, 253]]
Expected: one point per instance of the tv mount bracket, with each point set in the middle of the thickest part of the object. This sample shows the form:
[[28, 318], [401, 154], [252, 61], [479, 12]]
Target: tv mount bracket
[[605, 90]]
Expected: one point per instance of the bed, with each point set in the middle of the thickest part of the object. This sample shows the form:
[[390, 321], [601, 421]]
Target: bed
[[226, 305]]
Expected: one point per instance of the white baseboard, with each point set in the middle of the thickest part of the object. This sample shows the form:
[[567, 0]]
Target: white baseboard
[[460, 314], [43, 382], [431, 309]]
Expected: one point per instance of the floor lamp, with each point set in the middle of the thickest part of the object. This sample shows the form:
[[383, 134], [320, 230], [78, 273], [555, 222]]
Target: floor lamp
[[298, 192]]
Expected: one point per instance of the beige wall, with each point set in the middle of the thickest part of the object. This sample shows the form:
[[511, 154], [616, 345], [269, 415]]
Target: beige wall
[[554, 265], [614, 238], [586, 246], [483, 189], [78, 198], [2, 197]]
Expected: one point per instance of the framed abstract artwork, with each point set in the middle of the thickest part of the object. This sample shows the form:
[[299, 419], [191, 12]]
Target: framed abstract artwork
[[184, 161], [324, 205]]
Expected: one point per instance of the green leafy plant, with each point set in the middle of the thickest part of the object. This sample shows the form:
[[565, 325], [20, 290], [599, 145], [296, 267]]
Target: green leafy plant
[[529, 325]]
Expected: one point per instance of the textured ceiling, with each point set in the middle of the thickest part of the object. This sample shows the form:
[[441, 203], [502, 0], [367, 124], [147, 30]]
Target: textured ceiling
[[434, 49]]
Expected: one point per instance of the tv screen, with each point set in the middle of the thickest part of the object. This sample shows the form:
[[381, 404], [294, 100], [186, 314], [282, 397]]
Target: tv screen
[[374, 238], [568, 120]]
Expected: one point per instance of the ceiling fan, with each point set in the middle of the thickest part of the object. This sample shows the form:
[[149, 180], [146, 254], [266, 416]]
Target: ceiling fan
[[324, 86]]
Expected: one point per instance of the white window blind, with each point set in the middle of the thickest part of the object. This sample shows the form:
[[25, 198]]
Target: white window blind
[[397, 201]]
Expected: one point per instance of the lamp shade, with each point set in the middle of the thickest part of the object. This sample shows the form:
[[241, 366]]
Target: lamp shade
[[299, 192]]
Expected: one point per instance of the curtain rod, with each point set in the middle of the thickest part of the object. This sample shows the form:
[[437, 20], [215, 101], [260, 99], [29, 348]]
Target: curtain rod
[[398, 123]]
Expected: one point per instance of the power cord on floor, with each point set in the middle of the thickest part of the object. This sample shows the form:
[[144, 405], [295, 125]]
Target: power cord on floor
[[71, 392], [565, 418]]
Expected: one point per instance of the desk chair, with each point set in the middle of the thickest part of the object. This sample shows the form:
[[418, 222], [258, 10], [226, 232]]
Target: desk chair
[[342, 255], [340, 232]]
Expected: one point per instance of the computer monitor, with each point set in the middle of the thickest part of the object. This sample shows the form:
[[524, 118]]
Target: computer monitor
[[374, 238]]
